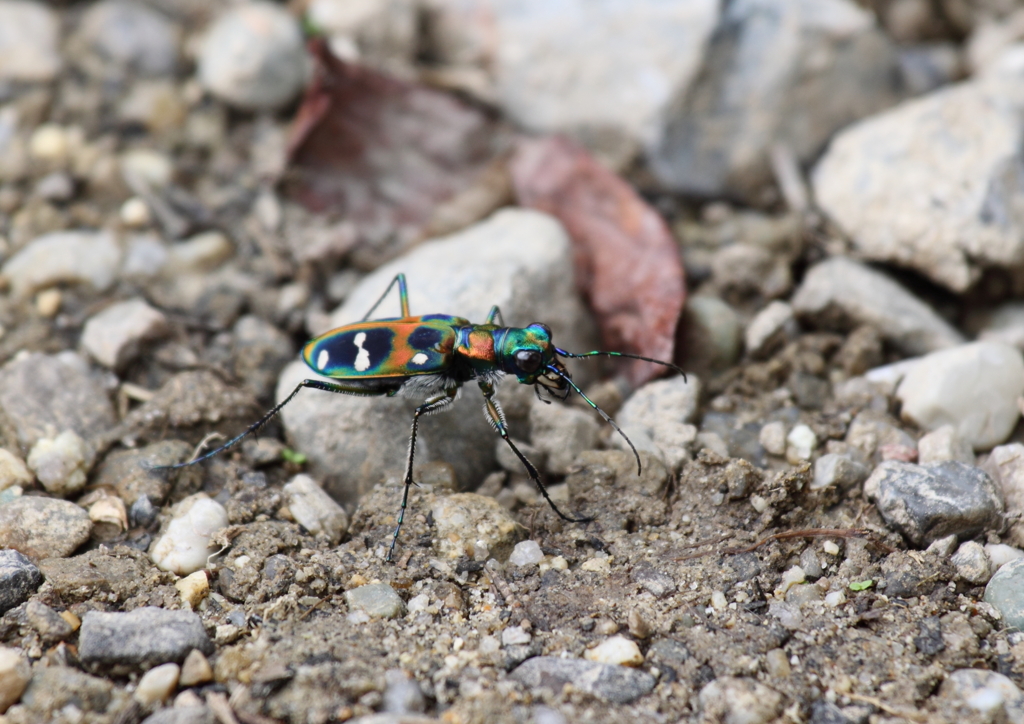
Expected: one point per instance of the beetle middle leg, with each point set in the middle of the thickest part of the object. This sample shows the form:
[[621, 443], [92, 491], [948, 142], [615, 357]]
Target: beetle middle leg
[[497, 420], [434, 404]]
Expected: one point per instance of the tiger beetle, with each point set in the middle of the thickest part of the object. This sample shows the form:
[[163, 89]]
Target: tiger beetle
[[431, 358]]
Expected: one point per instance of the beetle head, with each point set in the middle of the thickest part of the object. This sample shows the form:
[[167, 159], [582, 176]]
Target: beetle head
[[527, 352]]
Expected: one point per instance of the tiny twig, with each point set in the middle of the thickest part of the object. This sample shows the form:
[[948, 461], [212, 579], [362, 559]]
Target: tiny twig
[[784, 535], [895, 711]]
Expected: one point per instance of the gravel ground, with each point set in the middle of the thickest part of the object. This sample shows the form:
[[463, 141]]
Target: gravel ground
[[826, 525]]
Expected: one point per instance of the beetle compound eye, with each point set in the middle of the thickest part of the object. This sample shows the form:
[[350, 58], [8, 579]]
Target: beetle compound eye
[[528, 360]]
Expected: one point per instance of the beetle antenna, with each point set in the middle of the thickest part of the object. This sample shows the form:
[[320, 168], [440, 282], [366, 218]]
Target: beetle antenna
[[598, 353], [610, 421]]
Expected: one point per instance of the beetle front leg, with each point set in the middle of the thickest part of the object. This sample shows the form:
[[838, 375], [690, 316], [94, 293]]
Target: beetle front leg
[[434, 404], [497, 420]]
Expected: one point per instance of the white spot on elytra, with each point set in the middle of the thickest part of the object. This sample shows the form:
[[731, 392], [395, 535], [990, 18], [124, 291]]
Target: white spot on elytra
[[419, 358], [322, 359], [363, 357]]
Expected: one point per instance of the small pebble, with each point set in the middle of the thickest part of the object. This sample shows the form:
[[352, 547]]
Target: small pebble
[[50, 142], [402, 694], [770, 329], [315, 510], [526, 553], [253, 57], [195, 670], [131, 36], [994, 696], [777, 664], [841, 471], [928, 502], [114, 337], [515, 636], [193, 588], [157, 684], [1000, 554], [200, 253], [475, 526], [143, 511], [56, 186], [151, 167], [943, 547], [944, 444], [144, 637], [562, 433], [773, 437], [134, 213], [43, 527], [31, 53], [61, 463], [50, 625], [800, 444], [732, 699], [376, 599], [790, 578], [972, 563], [830, 547], [1005, 591], [834, 599], [13, 470], [84, 257], [617, 684], [19, 579], [597, 565], [616, 650], [48, 302], [15, 673], [185, 546]]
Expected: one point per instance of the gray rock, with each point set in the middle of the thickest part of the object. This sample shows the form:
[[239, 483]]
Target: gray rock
[[734, 699], [19, 579], [840, 293], [973, 387], [746, 269], [47, 622], [131, 36], [842, 471], [770, 329], [15, 673], [253, 57], [871, 430], [1006, 466], [517, 259], [402, 695], [1004, 324], [43, 527], [61, 463], [1005, 591], [934, 184], [662, 411], [972, 563], [61, 257], [608, 682], [658, 583], [54, 687], [128, 472], [314, 509], [511, 463], [603, 72], [114, 337], [376, 599], [383, 34], [944, 444], [928, 502], [259, 352], [562, 432], [42, 393], [928, 66], [195, 714], [142, 638], [991, 694], [29, 42], [776, 72], [711, 334]]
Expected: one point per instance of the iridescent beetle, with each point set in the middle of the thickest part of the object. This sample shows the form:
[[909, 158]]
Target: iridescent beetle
[[430, 358]]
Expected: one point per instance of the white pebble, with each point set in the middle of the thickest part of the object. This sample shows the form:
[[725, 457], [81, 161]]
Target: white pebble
[[315, 510], [49, 142], [418, 603], [718, 601], [185, 547], [152, 167], [114, 336], [800, 443], [773, 437], [794, 576], [15, 673], [1000, 553], [835, 598], [200, 253], [157, 684], [193, 588], [830, 547], [526, 553], [616, 650], [61, 463], [515, 636], [13, 470], [973, 387], [134, 213]]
